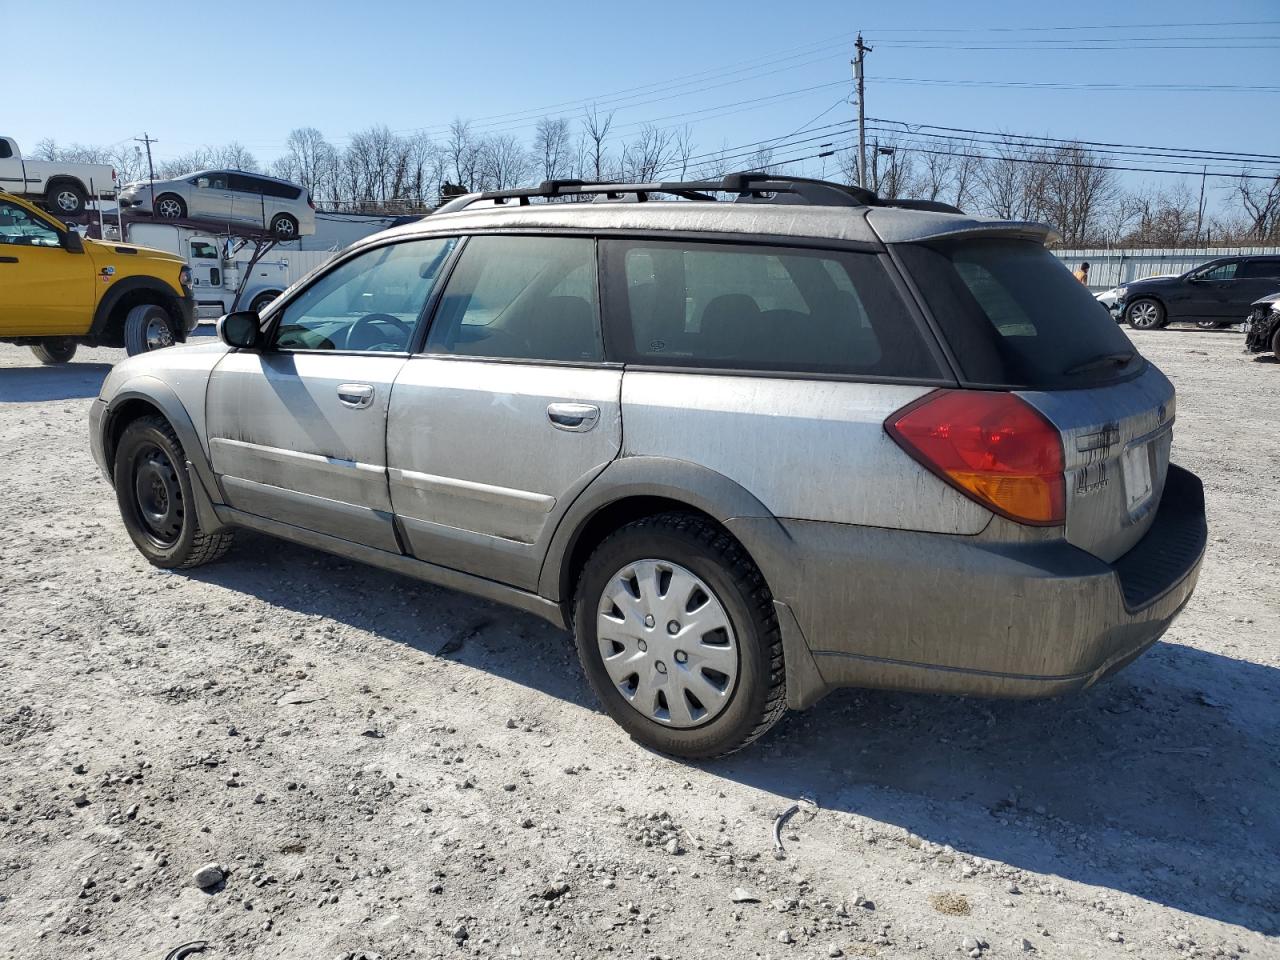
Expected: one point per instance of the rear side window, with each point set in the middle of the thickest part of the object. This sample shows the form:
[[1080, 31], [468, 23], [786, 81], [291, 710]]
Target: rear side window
[[281, 190], [1014, 316], [521, 298], [746, 307], [1253, 269], [6, 151]]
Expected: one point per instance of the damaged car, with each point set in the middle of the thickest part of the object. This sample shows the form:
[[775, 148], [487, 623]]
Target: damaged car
[[1262, 326]]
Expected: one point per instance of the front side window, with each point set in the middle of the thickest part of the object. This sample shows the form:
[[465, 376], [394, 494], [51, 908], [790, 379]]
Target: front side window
[[739, 306], [521, 298], [20, 227], [212, 181], [203, 250], [1223, 271], [6, 151], [370, 303]]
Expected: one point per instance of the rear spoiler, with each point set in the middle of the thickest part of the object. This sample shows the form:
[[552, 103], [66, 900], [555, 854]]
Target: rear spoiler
[[892, 226]]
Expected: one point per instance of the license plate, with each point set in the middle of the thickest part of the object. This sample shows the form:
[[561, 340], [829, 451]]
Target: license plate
[[1136, 464]]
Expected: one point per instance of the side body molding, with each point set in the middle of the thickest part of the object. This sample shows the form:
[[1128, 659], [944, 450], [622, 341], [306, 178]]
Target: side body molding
[[719, 497], [158, 394]]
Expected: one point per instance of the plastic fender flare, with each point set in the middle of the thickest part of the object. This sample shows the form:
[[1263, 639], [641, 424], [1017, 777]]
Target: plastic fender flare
[[102, 314], [160, 395]]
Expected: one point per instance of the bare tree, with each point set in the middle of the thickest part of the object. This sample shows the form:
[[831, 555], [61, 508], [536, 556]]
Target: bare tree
[[504, 162], [551, 147], [463, 152], [684, 148], [651, 151], [596, 130], [310, 160], [1261, 202]]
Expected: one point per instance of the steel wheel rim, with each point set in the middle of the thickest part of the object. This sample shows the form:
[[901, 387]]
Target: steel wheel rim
[[1143, 314], [157, 494], [667, 643], [169, 209], [68, 201], [158, 334]]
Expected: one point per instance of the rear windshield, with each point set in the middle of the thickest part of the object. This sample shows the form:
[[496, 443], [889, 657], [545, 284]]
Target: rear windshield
[[1014, 315]]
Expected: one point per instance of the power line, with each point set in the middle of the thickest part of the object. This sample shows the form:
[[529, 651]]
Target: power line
[[1054, 85], [1183, 151]]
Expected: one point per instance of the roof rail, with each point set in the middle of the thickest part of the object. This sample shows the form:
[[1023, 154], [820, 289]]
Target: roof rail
[[750, 187]]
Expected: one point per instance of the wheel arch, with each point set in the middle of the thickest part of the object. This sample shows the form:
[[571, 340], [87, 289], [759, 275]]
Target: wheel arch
[[123, 296], [148, 396], [634, 487], [60, 178]]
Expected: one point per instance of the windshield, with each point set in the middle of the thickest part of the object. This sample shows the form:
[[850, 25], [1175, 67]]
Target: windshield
[[1014, 316]]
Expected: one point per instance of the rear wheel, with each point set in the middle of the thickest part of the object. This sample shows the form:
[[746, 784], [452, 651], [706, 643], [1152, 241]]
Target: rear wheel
[[170, 207], [284, 226], [53, 350], [677, 634], [147, 327], [66, 199], [1211, 324], [1275, 343], [262, 301], [1145, 314], [153, 490]]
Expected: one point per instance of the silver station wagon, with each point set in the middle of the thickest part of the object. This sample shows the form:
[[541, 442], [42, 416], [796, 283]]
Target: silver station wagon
[[748, 449]]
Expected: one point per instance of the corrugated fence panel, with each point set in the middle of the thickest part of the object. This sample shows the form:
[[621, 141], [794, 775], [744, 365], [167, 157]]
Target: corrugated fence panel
[[1111, 267]]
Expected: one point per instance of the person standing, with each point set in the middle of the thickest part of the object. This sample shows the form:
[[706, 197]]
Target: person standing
[[1082, 274]]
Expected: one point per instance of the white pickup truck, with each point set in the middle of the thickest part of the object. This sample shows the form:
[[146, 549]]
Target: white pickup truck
[[63, 188]]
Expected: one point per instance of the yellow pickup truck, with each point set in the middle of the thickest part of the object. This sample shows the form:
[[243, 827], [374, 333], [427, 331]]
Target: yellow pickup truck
[[59, 290]]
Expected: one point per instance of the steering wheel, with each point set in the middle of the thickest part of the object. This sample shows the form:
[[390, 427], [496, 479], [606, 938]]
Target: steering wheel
[[353, 343]]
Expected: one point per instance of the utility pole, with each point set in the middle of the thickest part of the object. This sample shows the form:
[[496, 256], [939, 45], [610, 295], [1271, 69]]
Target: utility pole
[[151, 170], [862, 50], [1204, 170]]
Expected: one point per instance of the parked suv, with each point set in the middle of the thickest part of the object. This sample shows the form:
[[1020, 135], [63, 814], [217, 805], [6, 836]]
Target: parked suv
[[279, 206], [59, 290], [748, 451], [1214, 294]]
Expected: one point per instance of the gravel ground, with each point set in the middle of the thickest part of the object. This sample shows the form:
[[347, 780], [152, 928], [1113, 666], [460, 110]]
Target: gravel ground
[[378, 767]]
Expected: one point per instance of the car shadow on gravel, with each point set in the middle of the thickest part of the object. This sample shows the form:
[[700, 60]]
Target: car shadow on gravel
[[432, 620], [39, 384], [1160, 782]]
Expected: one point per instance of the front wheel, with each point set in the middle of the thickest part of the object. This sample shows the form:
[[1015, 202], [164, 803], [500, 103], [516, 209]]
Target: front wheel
[[1275, 343], [1145, 314], [169, 207], [678, 637], [54, 350], [284, 227], [153, 490], [147, 327]]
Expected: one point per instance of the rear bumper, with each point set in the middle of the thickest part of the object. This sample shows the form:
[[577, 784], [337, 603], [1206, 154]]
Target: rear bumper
[[949, 614]]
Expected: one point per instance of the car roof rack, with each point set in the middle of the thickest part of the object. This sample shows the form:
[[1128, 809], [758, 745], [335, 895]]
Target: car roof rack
[[750, 187]]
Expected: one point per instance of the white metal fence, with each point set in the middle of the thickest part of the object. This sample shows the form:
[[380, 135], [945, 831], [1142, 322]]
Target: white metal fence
[[1111, 267]]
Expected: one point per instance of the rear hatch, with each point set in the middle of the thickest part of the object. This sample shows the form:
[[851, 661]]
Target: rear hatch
[[1014, 318]]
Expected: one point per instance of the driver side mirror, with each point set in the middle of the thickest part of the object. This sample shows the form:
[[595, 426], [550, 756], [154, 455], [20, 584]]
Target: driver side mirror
[[242, 329], [71, 241]]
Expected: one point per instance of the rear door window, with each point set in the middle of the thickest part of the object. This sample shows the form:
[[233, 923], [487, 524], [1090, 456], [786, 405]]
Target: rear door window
[[745, 307], [1014, 316], [521, 298], [1259, 269]]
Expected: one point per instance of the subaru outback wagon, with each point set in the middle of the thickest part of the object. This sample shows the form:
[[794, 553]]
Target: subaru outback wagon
[[748, 450]]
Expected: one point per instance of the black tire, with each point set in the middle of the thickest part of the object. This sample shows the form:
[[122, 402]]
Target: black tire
[[1275, 344], [148, 327], [54, 350], [66, 199], [1210, 324], [153, 490], [284, 227], [169, 206], [1146, 313], [758, 699], [262, 301]]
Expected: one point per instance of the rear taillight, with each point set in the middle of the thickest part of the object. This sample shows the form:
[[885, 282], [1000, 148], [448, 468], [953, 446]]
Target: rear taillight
[[310, 203], [993, 447]]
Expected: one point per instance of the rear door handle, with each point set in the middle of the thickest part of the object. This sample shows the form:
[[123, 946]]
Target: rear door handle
[[355, 394], [8, 259], [574, 417]]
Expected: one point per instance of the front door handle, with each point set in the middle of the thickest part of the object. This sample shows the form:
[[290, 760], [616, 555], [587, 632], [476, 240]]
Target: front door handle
[[8, 259], [574, 417], [355, 394]]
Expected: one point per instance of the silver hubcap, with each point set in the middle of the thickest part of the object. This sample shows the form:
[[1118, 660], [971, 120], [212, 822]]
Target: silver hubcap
[[169, 209], [284, 228], [68, 201], [1144, 314], [158, 334], [667, 643]]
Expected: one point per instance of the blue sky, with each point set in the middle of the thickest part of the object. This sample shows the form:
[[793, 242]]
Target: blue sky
[[210, 73]]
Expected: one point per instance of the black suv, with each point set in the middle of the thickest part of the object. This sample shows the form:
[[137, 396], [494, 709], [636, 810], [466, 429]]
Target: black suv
[[1215, 294]]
